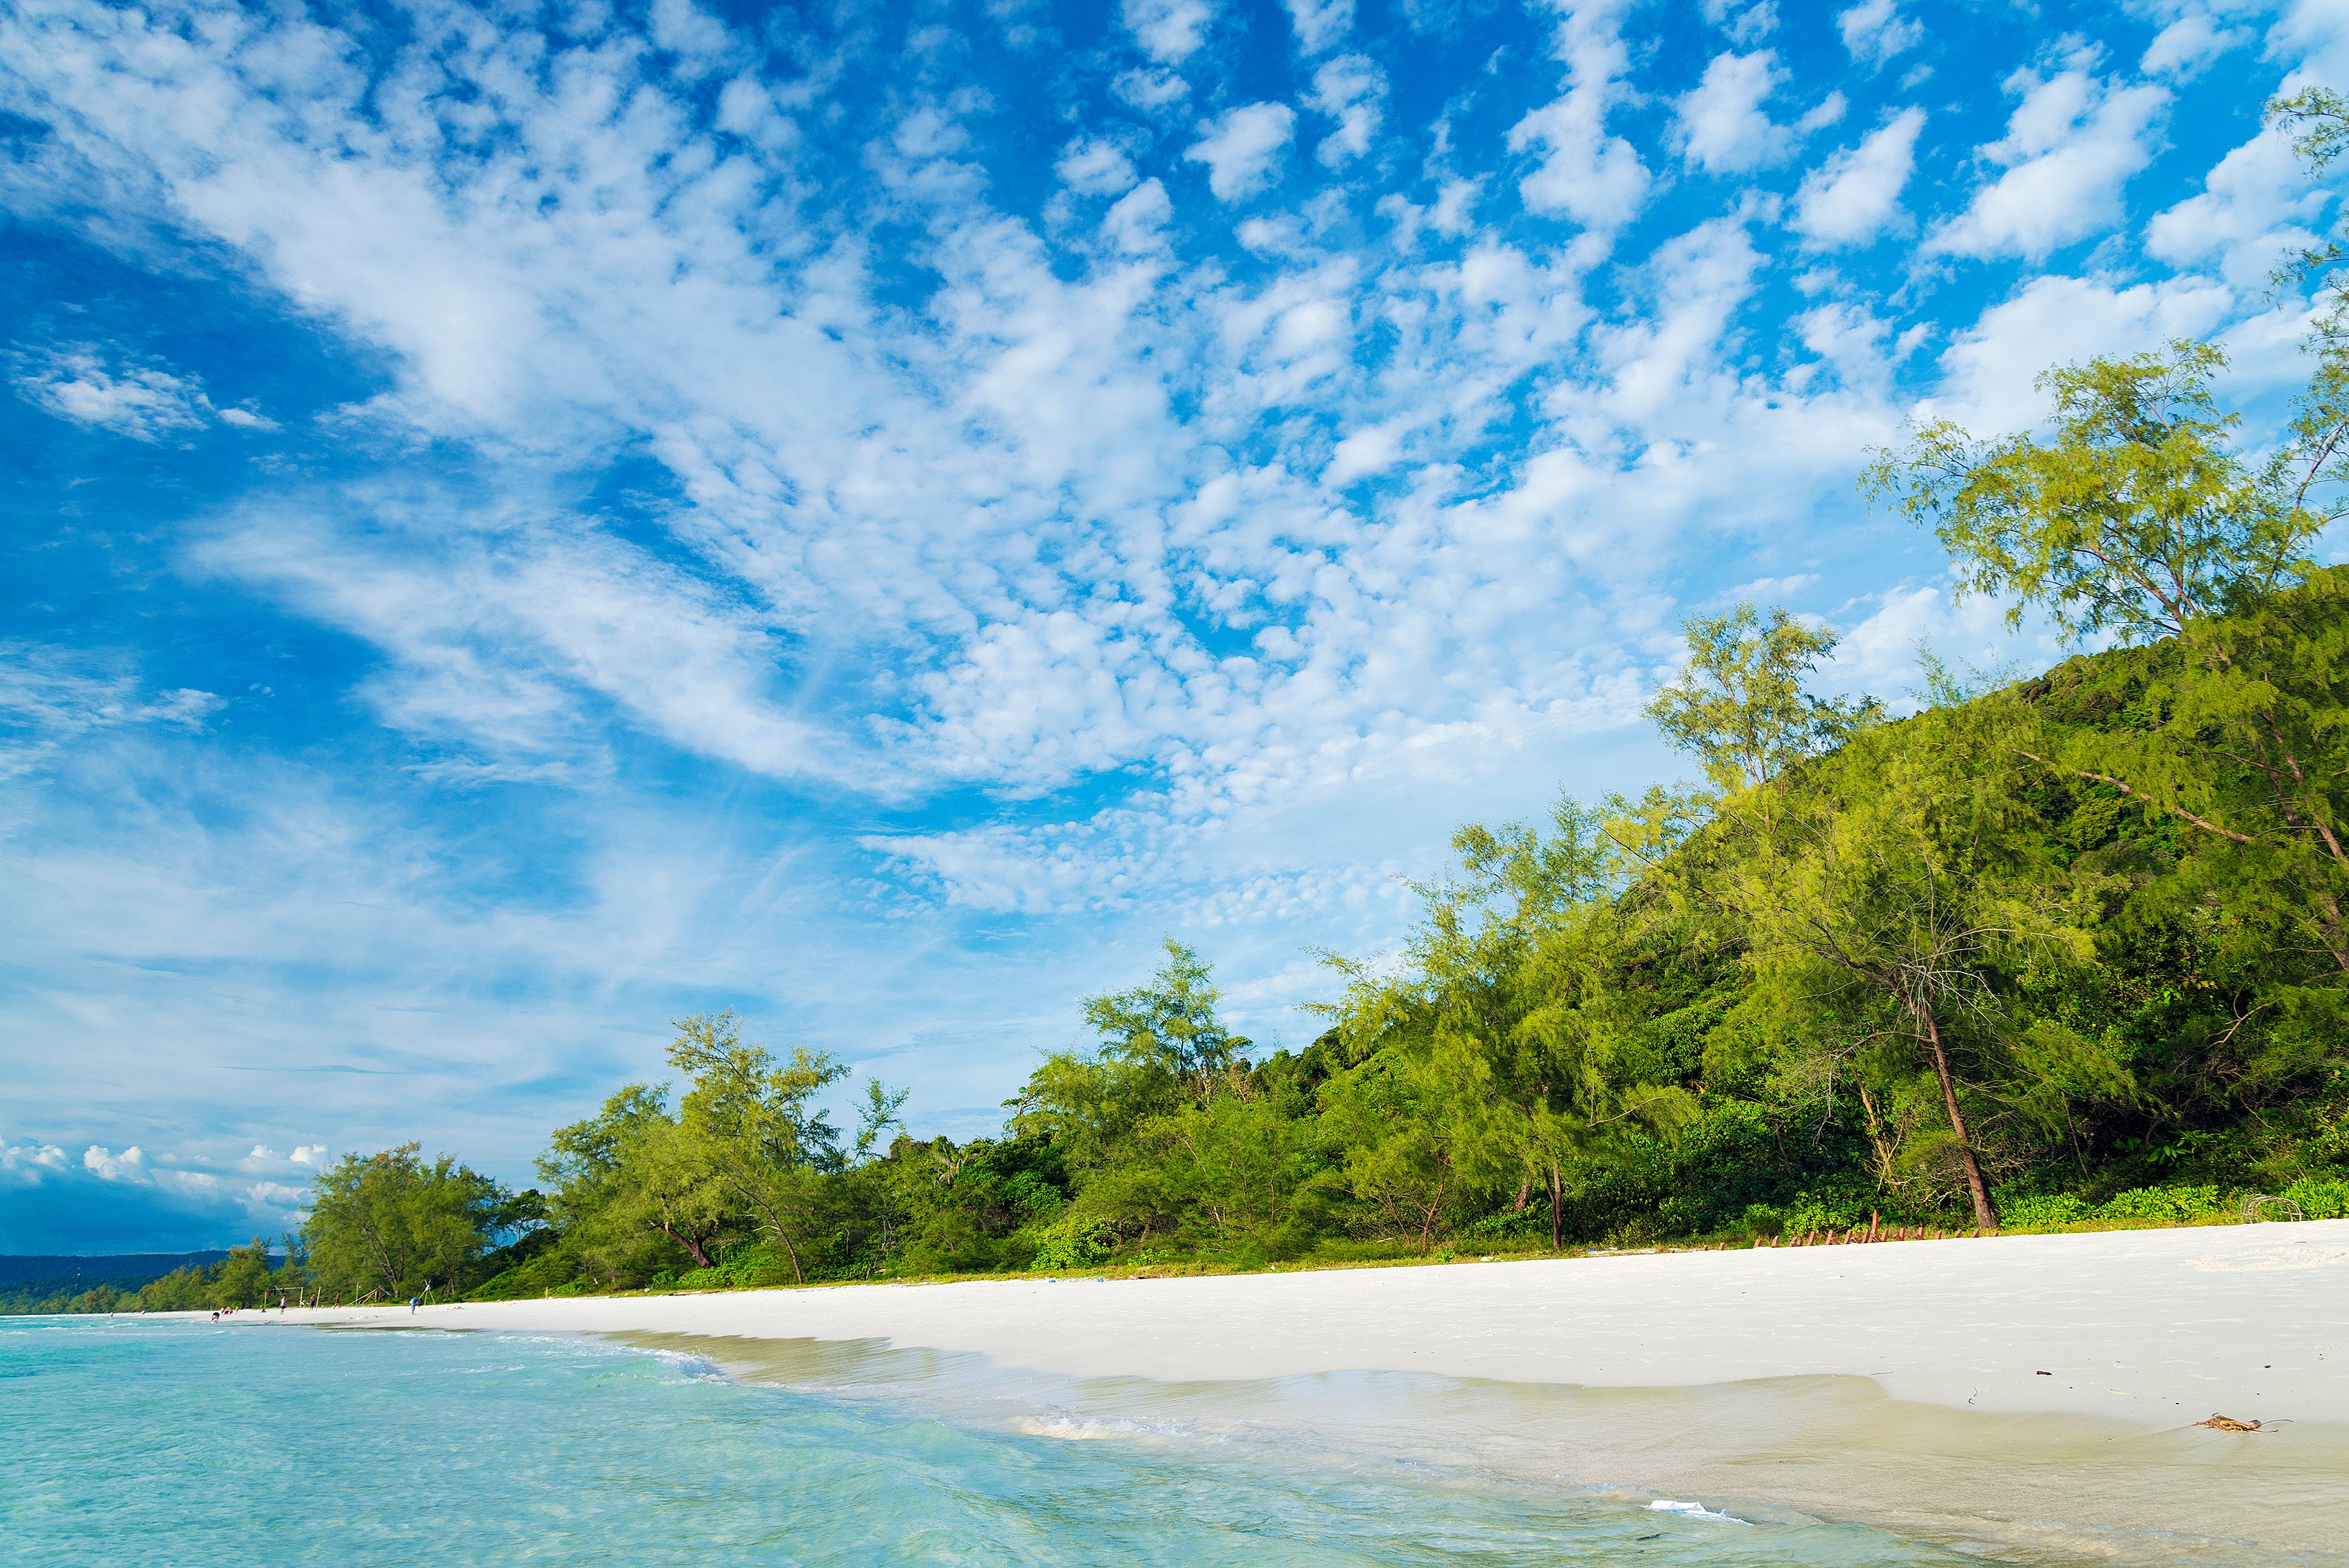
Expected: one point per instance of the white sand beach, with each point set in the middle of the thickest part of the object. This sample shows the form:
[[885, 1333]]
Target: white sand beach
[[2027, 1396]]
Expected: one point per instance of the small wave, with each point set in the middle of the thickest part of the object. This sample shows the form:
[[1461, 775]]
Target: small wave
[[1696, 1510], [1086, 1430]]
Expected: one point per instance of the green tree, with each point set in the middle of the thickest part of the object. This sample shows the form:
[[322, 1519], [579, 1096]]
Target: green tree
[[2137, 520], [767, 1148], [245, 1278], [393, 1223], [1168, 1028], [1496, 1029], [633, 1188], [1739, 704]]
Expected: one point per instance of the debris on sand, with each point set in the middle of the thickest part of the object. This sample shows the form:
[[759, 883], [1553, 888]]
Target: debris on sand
[[2218, 1423]]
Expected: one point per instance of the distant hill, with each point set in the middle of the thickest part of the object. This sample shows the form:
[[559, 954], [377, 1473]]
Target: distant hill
[[124, 1270]]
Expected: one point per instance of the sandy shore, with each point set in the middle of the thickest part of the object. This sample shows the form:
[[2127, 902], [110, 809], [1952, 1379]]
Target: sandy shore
[[2028, 1396]]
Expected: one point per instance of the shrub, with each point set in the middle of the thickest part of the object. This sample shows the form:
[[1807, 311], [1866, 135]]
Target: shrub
[[2320, 1199], [1530, 1224], [1069, 1242], [1828, 1211], [2163, 1203], [2041, 1211]]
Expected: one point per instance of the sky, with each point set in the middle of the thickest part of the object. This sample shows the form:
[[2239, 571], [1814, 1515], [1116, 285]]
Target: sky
[[523, 523]]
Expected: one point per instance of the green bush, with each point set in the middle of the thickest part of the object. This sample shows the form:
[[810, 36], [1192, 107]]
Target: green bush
[[548, 1273], [1338, 1250], [2320, 1199], [1530, 1224], [2041, 1211], [741, 1268], [2163, 1203], [1828, 1211], [1068, 1242]]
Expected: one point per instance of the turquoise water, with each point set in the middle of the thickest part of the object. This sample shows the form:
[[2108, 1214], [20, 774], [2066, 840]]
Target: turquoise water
[[174, 1442]]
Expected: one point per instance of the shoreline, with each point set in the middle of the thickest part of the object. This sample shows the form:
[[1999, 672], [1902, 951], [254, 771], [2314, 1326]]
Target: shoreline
[[2134, 1325], [2026, 1398]]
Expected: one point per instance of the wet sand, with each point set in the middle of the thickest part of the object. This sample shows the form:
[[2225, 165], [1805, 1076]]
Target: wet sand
[[2018, 1396]]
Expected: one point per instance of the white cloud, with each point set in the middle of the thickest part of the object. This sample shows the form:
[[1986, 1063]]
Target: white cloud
[[1319, 24], [2185, 48], [1136, 222], [1989, 370], [1719, 123], [1586, 173], [143, 402], [1856, 194], [2257, 207], [492, 631], [1745, 24], [1828, 110], [1874, 31], [26, 1161], [1242, 148], [1350, 89], [1169, 31], [131, 1165], [1879, 654], [52, 699], [308, 1154], [1092, 167], [2070, 146], [1150, 91]]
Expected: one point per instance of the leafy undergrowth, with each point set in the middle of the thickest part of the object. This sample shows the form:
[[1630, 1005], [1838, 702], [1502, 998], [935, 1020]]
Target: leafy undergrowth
[[2143, 1208]]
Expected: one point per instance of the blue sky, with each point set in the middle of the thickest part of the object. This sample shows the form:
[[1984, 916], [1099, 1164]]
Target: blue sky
[[525, 521]]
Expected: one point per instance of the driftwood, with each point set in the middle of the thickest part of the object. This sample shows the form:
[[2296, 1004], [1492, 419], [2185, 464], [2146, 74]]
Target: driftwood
[[2218, 1423]]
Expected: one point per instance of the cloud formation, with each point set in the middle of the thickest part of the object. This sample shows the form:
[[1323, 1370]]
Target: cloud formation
[[2072, 143], [1242, 148]]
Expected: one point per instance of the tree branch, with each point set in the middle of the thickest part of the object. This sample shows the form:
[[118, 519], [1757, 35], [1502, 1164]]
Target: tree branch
[[2178, 812]]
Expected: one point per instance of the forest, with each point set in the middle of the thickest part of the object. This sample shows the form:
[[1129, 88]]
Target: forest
[[2030, 951]]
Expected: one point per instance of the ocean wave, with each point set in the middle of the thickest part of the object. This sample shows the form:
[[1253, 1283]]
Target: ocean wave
[[1696, 1510]]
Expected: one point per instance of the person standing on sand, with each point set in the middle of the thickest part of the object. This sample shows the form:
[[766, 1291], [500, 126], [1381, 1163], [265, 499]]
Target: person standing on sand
[[411, 1306]]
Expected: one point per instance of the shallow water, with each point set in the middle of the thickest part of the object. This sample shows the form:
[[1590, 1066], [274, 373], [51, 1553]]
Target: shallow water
[[2032, 1489], [169, 1442]]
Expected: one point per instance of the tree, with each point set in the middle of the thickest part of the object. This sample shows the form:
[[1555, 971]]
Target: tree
[[766, 1148], [1739, 704], [2138, 520], [245, 1278], [393, 1223], [1896, 896], [1494, 1031], [1169, 1027], [632, 1177]]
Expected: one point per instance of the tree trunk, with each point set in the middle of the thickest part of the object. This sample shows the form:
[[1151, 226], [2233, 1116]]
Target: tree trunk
[[798, 1277], [1427, 1227], [1985, 1212], [1557, 1203], [1884, 1170], [700, 1258]]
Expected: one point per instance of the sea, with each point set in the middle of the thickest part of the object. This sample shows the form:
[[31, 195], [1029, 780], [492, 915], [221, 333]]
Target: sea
[[142, 1442]]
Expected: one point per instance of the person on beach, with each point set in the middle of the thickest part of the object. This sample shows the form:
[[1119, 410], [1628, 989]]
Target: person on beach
[[411, 1306]]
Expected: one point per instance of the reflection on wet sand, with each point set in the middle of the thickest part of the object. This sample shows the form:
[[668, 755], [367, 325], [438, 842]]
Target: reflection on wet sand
[[2034, 1488]]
